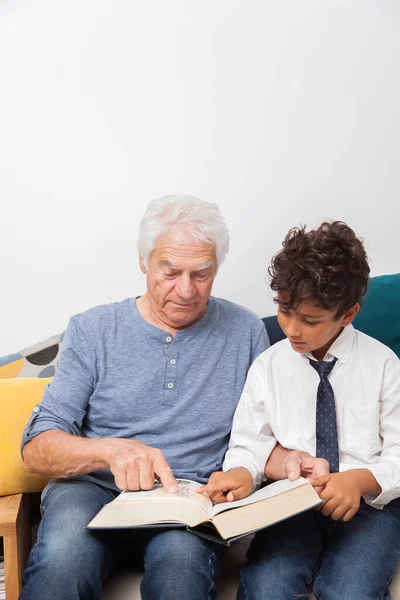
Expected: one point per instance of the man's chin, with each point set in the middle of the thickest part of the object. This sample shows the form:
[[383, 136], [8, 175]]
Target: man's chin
[[183, 318]]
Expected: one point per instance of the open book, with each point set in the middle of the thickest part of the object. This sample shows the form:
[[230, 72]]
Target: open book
[[220, 522]]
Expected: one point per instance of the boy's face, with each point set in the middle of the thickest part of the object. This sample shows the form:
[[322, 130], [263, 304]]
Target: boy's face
[[311, 328]]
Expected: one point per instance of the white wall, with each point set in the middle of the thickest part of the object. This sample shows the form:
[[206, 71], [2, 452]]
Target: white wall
[[282, 112]]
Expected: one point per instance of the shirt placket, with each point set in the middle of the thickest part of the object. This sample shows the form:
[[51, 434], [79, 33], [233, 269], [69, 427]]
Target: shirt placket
[[170, 350]]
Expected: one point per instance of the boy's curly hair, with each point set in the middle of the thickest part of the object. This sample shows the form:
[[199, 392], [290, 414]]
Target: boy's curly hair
[[327, 265]]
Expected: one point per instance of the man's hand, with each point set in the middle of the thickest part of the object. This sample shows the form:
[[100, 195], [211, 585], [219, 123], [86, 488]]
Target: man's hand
[[342, 492], [294, 463], [301, 464], [135, 465], [229, 486]]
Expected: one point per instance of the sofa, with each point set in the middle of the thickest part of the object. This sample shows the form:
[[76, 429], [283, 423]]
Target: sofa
[[23, 377]]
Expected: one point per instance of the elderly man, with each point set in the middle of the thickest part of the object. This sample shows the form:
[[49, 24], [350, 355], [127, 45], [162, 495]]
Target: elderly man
[[145, 388]]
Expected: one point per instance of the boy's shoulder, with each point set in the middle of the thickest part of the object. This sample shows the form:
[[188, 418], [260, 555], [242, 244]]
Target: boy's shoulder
[[278, 352], [370, 348]]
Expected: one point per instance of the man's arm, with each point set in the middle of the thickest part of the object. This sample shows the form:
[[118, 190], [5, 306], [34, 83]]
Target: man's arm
[[292, 464], [133, 464], [52, 443]]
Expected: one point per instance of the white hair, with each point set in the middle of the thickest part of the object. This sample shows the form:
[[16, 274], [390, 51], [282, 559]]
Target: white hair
[[185, 214]]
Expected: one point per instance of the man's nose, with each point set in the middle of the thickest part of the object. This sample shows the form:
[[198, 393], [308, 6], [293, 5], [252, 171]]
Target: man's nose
[[185, 287]]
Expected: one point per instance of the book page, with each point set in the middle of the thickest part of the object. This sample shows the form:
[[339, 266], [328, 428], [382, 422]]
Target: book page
[[156, 506], [273, 489], [186, 491], [291, 499]]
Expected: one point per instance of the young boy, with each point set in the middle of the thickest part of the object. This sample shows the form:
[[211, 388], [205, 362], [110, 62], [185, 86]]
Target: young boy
[[333, 392]]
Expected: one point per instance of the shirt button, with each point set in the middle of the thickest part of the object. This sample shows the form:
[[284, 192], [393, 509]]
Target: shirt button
[[168, 339], [170, 385], [173, 361], [36, 409]]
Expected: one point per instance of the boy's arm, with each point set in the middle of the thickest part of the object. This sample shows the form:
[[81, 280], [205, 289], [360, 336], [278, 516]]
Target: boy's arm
[[252, 440]]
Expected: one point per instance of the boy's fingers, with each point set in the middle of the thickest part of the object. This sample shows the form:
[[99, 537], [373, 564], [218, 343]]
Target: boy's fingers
[[328, 507], [338, 513], [218, 497], [212, 488], [237, 494], [349, 514]]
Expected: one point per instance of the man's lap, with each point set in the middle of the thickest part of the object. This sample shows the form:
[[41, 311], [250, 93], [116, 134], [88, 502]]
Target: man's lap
[[67, 508]]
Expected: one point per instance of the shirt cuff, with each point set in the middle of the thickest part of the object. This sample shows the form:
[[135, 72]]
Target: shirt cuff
[[233, 463], [383, 476]]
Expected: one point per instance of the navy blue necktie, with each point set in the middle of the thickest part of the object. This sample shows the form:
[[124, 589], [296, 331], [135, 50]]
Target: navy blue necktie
[[326, 429]]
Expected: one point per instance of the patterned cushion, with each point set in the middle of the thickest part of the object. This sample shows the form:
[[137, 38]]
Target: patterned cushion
[[35, 361]]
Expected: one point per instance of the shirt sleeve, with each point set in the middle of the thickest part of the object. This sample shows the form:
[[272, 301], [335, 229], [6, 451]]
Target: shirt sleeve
[[65, 399], [252, 440], [387, 468]]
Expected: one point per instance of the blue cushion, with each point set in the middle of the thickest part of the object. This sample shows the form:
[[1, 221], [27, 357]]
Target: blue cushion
[[274, 330], [379, 316]]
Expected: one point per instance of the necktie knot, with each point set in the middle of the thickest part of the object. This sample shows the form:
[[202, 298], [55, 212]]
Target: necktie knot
[[323, 367]]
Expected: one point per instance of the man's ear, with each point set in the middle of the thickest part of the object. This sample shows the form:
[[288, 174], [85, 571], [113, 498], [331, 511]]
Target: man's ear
[[349, 315], [141, 263]]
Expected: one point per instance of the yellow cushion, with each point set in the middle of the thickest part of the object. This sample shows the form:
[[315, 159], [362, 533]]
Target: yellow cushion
[[17, 399]]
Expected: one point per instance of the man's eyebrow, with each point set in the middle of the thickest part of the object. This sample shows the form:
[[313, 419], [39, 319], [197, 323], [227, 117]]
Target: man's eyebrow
[[166, 263], [311, 316], [211, 263]]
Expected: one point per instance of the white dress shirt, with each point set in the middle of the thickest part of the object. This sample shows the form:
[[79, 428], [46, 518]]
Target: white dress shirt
[[278, 404]]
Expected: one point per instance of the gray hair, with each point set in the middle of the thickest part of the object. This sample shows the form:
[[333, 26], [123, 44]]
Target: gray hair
[[201, 220]]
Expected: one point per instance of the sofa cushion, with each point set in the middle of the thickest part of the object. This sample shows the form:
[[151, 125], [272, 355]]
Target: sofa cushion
[[36, 361], [379, 316], [18, 397], [274, 330]]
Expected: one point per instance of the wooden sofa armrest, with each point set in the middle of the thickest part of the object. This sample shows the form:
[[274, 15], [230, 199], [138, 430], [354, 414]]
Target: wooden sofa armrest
[[15, 530]]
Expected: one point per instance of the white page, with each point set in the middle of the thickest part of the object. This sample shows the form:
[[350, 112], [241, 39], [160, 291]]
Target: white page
[[273, 489], [186, 491]]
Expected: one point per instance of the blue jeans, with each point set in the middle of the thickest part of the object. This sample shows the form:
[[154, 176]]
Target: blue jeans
[[342, 561], [70, 562]]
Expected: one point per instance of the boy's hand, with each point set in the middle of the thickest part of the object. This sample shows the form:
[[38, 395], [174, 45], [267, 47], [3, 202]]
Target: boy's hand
[[342, 492], [229, 486]]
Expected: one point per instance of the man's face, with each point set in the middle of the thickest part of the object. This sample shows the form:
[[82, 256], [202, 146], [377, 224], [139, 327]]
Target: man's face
[[180, 275], [311, 328]]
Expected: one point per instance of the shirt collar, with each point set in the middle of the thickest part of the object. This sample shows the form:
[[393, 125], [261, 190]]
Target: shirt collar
[[340, 348]]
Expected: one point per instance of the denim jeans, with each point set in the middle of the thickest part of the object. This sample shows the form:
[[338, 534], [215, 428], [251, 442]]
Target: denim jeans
[[70, 562], [342, 561]]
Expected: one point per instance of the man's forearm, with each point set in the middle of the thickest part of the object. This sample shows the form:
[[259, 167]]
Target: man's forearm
[[61, 454], [275, 467]]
